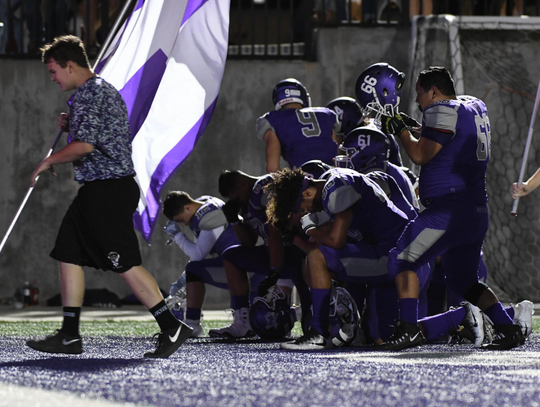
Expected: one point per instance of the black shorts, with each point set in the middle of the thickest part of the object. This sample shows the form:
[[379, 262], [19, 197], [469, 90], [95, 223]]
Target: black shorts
[[97, 230]]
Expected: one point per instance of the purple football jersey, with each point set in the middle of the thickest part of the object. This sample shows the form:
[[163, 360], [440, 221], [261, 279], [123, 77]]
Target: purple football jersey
[[376, 220], [210, 216], [304, 134], [256, 210], [404, 183], [462, 127], [390, 186]]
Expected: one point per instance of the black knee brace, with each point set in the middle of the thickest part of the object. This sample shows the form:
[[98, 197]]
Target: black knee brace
[[190, 277], [474, 293]]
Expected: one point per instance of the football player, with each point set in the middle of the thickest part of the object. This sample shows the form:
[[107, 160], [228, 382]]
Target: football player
[[295, 130], [349, 114], [453, 150], [365, 226], [213, 235], [245, 211]]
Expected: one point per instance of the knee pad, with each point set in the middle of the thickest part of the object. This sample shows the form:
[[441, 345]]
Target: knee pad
[[190, 277], [474, 293]]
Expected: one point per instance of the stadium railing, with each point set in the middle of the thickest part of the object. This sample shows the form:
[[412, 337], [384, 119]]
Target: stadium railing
[[259, 29]]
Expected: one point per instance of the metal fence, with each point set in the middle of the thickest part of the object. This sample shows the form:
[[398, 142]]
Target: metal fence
[[271, 29]]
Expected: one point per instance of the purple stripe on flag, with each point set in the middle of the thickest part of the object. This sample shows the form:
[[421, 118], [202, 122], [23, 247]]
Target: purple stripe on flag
[[168, 166], [139, 5], [140, 90], [192, 7]]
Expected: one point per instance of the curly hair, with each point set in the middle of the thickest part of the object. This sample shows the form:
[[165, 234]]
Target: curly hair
[[63, 49], [283, 193]]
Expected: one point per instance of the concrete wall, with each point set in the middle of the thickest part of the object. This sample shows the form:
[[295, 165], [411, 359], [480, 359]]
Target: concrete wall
[[31, 103]]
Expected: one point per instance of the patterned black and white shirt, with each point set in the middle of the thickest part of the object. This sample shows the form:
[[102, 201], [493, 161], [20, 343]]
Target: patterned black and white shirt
[[98, 116]]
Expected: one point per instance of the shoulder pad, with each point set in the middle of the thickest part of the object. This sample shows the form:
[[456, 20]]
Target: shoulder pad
[[441, 116], [263, 125], [210, 216], [339, 194], [259, 197]]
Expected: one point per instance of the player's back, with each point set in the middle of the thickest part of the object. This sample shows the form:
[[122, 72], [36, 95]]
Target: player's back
[[304, 134], [376, 219], [459, 168]]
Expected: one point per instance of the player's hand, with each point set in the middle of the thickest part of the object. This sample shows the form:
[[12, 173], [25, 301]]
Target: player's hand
[[63, 122], [309, 221], [172, 228], [231, 209], [268, 282], [520, 190], [397, 123], [42, 167]]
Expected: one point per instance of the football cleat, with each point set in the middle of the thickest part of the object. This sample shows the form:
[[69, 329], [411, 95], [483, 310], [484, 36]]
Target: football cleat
[[506, 336], [523, 316], [406, 335], [313, 340], [58, 343], [240, 328], [471, 327], [197, 326], [169, 341]]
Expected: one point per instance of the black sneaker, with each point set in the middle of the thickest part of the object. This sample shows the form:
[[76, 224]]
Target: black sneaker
[[313, 340], [506, 336], [405, 335], [58, 343], [169, 341]]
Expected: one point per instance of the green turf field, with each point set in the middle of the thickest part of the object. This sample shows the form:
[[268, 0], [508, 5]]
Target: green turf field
[[120, 328]]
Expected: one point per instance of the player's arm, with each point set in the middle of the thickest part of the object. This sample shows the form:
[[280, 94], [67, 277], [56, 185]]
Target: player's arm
[[420, 150], [71, 152], [245, 234], [526, 187], [199, 249], [275, 248], [273, 151], [336, 237]]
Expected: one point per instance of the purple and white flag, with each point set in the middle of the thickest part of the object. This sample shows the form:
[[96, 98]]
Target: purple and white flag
[[167, 61]]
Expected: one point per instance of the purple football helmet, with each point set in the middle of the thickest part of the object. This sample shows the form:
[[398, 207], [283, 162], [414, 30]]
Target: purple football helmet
[[349, 113], [366, 148], [344, 318], [315, 168], [290, 91], [378, 89], [270, 316]]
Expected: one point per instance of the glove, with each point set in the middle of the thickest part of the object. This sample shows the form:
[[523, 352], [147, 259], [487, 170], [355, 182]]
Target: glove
[[231, 209], [397, 123], [268, 282], [172, 228], [309, 221]]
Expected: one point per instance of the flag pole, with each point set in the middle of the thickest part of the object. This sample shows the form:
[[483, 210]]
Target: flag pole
[[106, 45], [527, 147]]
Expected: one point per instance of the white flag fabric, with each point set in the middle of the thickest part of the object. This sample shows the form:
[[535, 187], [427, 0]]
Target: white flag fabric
[[167, 61]]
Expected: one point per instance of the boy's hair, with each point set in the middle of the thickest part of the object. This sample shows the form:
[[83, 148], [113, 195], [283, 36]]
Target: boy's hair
[[283, 193], [174, 203], [63, 49], [229, 182], [437, 76]]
